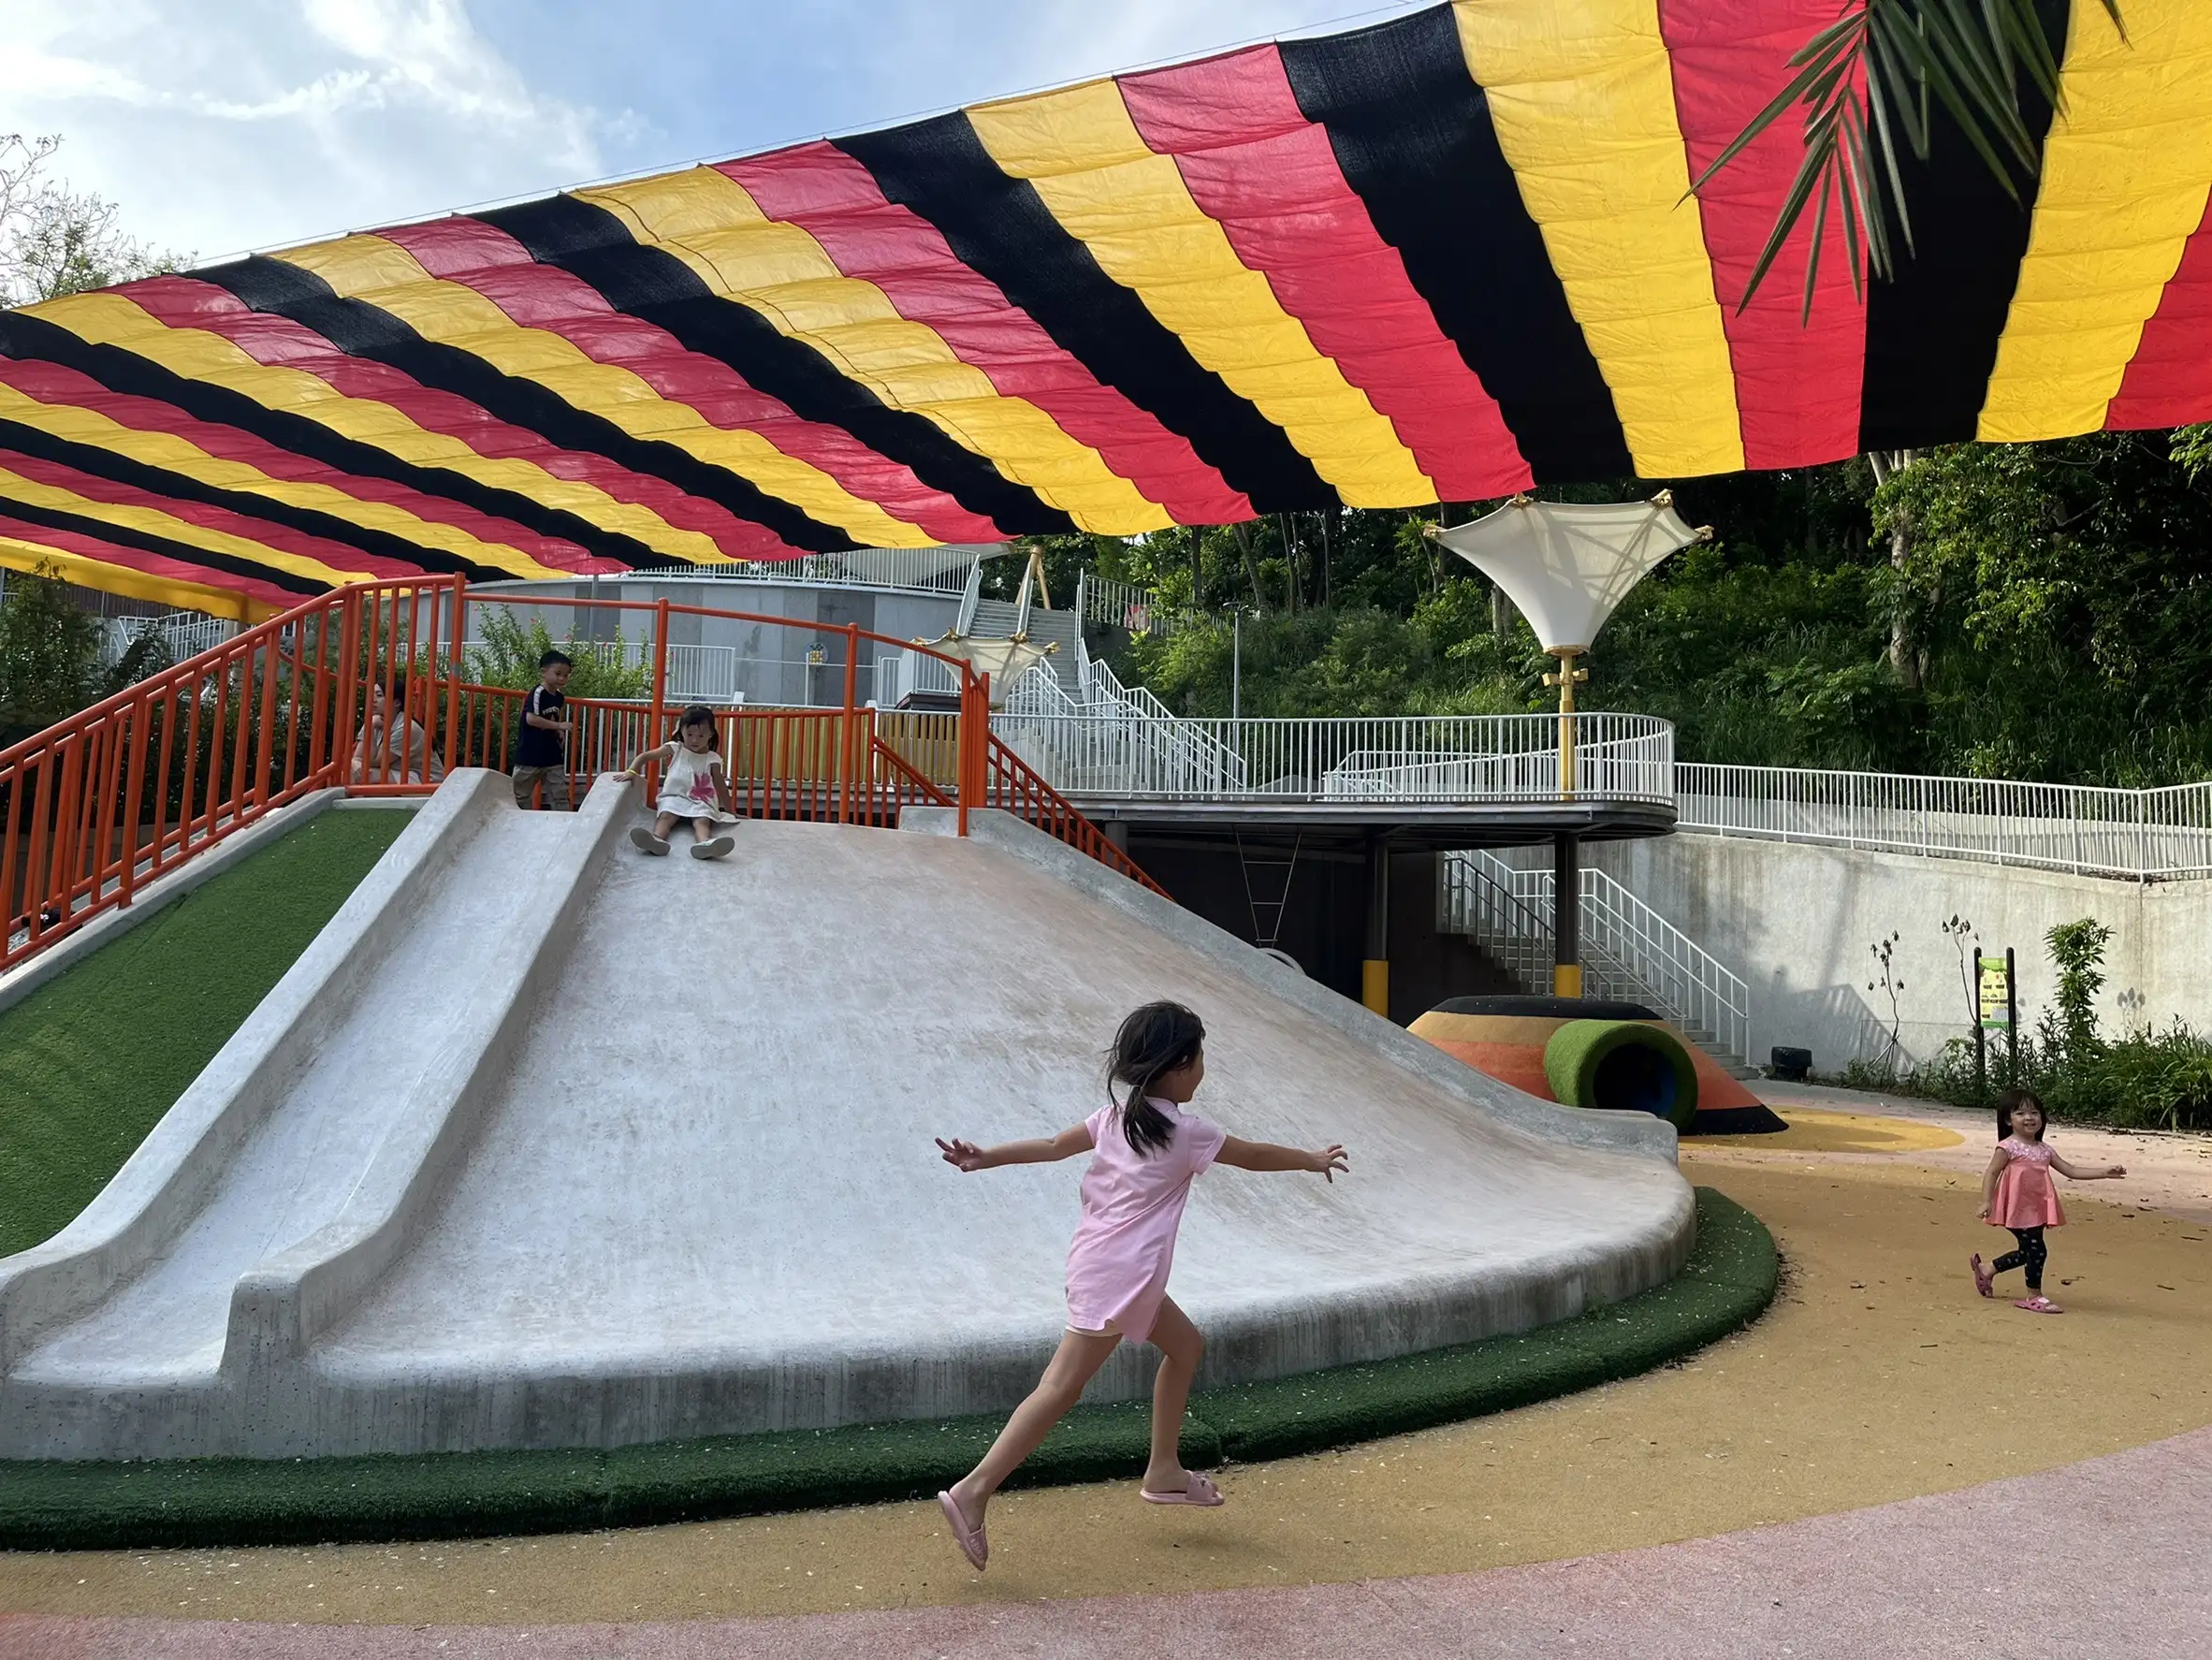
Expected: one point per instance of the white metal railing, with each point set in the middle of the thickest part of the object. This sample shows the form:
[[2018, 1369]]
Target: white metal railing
[[2137, 834], [1126, 606], [1131, 746], [1629, 951], [182, 634]]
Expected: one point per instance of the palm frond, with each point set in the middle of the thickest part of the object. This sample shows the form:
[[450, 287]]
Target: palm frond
[[1869, 84]]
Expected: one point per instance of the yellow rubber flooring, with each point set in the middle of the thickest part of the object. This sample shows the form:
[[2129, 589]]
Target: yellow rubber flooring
[[1811, 1131], [1877, 1376]]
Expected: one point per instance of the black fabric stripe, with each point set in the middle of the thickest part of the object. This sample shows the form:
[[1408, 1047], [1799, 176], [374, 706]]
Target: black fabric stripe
[[365, 330], [184, 552], [1412, 131], [127, 373], [592, 245], [1000, 226], [160, 481], [1932, 331]]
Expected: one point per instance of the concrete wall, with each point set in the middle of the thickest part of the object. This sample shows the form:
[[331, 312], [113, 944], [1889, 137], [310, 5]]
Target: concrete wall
[[1799, 924]]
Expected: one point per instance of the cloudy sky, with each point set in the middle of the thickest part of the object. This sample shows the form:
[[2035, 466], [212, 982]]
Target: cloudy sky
[[221, 126]]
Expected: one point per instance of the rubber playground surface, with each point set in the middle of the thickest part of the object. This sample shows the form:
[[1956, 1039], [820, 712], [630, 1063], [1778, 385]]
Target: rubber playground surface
[[1876, 1379]]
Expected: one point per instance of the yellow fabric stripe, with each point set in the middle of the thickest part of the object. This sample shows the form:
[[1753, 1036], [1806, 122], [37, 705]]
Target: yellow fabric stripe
[[1102, 182], [2125, 171], [175, 453], [711, 223], [14, 486], [388, 276], [111, 319], [1582, 100], [103, 577]]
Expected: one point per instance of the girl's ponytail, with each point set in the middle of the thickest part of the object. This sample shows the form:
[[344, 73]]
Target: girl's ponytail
[[1153, 1042]]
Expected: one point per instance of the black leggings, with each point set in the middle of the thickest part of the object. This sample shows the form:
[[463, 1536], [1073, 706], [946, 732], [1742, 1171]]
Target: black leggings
[[2031, 1256]]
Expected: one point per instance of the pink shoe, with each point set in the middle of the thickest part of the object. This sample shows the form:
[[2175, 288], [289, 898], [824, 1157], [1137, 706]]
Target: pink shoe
[[1197, 1490], [973, 1546], [2039, 1303], [1985, 1282]]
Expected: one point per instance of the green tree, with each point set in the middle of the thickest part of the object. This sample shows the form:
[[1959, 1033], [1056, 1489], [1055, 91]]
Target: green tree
[[49, 656], [54, 240]]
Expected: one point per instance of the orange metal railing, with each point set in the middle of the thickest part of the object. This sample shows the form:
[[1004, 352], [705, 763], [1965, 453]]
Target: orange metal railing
[[364, 687], [123, 792]]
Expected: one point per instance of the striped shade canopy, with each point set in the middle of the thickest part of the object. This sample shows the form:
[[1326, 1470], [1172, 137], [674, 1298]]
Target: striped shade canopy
[[1443, 258]]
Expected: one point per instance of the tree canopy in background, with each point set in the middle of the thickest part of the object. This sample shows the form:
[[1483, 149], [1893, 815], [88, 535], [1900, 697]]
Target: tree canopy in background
[[54, 240]]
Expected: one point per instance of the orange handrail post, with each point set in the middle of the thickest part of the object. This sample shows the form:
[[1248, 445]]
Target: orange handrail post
[[846, 763], [453, 664], [264, 750], [321, 698], [341, 702], [133, 790], [653, 739]]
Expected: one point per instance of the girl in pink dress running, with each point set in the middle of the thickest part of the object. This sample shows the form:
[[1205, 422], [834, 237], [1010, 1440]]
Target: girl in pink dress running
[[1145, 1149], [2016, 1193]]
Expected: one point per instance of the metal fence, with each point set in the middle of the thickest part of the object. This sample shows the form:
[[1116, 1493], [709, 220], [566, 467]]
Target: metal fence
[[1125, 606], [2141, 834], [1413, 758]]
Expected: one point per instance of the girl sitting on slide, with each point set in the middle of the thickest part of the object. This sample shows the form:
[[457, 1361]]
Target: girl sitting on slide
[[692, 786]]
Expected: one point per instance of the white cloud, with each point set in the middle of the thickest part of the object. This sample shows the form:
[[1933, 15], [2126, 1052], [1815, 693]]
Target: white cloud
[[223, 124], [219, 126]]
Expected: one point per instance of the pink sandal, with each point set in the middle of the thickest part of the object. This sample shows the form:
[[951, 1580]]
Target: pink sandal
[[2039, 1303], [1985, 1282], [1197, 1490], [973, 1545]]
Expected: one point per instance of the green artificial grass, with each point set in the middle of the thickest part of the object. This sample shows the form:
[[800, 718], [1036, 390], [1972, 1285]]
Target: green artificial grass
[[90, 1061], [1728, 1282]]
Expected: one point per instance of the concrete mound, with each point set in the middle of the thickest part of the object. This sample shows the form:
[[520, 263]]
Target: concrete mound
[[546, 1143]]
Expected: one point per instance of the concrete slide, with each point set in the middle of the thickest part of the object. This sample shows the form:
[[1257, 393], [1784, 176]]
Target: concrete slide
[[544, 1143]]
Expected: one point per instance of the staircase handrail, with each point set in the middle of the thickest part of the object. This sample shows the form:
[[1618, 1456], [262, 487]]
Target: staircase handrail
[[1629, 950]]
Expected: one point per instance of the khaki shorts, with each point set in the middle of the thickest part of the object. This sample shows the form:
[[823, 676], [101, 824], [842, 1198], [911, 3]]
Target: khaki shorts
[[555, 779]]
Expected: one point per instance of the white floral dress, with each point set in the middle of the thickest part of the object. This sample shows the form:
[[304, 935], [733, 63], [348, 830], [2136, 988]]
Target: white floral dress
[[687, 787]]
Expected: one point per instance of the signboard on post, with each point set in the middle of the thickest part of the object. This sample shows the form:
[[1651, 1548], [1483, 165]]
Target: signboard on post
[[1997, 1009], [1996, 990]]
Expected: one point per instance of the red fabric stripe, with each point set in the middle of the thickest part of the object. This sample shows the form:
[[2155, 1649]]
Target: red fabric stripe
[[1796, 383], [837, 200], [50, 383], [2165, 382], [182, 302], [153, 564], [1254, 163], [483, 258], [340, 556]]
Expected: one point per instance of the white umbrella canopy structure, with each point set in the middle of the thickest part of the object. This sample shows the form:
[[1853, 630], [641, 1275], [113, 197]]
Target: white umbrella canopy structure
[[1005, 660], [1567, 564]]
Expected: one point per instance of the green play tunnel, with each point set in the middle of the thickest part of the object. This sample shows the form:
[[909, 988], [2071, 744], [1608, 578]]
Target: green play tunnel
[[1624, 1066]]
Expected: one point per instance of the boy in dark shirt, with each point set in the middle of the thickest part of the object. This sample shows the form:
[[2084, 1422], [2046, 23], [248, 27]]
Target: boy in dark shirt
[[541, 741]]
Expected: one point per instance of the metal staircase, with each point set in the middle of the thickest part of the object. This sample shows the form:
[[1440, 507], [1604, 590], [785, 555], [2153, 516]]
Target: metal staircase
[[1629, 951]]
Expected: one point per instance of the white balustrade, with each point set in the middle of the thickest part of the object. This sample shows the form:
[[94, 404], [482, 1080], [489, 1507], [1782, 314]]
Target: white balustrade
[[2138, 833]]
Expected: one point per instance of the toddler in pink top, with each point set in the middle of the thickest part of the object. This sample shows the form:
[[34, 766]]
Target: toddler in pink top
[[2017, 1195], [1145, 1149]]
